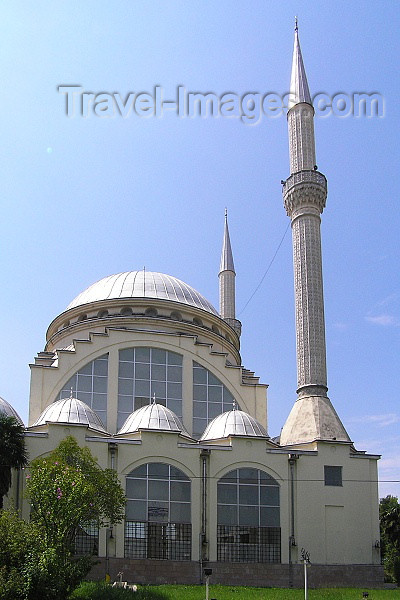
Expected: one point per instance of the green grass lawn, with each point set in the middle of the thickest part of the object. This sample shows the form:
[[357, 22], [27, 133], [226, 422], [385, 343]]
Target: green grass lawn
[[180, 592], [90, 591]]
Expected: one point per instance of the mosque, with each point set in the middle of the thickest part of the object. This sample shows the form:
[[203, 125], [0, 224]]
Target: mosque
[[144, 371]]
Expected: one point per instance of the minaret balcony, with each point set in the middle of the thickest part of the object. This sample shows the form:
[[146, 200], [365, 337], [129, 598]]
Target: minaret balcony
[[300, 177], [308, 187]]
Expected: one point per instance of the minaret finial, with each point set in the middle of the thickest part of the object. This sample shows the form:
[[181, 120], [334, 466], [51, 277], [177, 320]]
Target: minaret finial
[[296, 24], [226, 214]]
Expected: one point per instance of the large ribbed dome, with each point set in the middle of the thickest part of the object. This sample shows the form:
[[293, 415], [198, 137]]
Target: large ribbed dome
[[142, 284], [9, 411], [71, 411], [233, 422], [153, 416]]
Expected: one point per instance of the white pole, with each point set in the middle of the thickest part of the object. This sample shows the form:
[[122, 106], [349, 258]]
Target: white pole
[[305, 580], [207, 580]]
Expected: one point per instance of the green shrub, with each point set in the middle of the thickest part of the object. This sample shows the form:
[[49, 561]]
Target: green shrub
[[102, 591], [11, 584], [17, 538], [396, 570], [51, 576]]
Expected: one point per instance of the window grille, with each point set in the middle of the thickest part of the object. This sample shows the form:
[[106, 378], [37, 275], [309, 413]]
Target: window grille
[[158, 513], [162, 541], [87, 540], [248, 517], [237, 543]]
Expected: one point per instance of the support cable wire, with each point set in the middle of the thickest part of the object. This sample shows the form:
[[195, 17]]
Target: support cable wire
[[304, 480], [307, 480], [266, 272]]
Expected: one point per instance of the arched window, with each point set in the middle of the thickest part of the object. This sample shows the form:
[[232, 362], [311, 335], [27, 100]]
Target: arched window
[[248, 517], [158, 513], [89, 384], [144, 372], [210, 398]]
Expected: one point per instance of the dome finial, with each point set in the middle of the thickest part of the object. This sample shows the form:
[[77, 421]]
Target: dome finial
[[70, 393], [234, 404], [153, 399]]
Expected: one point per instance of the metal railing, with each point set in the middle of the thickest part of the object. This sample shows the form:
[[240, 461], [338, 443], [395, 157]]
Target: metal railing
[[309, 176]]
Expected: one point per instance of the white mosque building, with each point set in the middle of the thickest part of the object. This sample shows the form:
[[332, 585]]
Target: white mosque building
[[144, 371]]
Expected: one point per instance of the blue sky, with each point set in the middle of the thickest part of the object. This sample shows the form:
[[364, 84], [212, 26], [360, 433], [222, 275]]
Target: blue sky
[[86, 197]]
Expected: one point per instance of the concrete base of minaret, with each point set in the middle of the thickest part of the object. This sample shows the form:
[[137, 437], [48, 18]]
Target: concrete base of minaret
[[312, 418]]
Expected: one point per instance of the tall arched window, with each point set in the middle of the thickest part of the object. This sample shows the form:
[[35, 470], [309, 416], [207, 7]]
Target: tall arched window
[[210, 398], [158, 513], [144, 372], [89, 384], [248, 517]]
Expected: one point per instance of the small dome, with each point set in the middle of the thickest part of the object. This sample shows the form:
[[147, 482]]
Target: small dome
[[71, 411], [9, 411], [142, 284], [233, 422], [153, 416]]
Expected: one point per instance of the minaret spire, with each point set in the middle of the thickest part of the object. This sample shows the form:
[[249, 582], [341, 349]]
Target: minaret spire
[[299, 90], [226, 254], [227, 276], [304, 193]]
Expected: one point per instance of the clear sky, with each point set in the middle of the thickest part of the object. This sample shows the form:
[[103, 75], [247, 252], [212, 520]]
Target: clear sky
[[83, 198]]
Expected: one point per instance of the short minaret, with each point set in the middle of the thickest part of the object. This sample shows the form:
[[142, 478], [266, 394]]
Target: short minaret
[[227, 282], [304, 193]]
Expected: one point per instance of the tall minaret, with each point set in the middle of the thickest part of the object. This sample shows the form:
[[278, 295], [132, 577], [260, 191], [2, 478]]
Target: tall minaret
[[227, 282], [304, 195]]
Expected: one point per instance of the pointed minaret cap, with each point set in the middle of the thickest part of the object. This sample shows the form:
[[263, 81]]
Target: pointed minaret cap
[[226, 254], [299, 91]]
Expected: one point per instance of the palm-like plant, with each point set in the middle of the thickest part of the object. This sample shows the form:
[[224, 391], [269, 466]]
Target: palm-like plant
[[13, 454]]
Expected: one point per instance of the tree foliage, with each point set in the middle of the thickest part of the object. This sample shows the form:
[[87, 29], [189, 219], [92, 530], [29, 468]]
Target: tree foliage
[[12, 451], [69, 490], [389, 514], [16, 540], [31, 571]]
